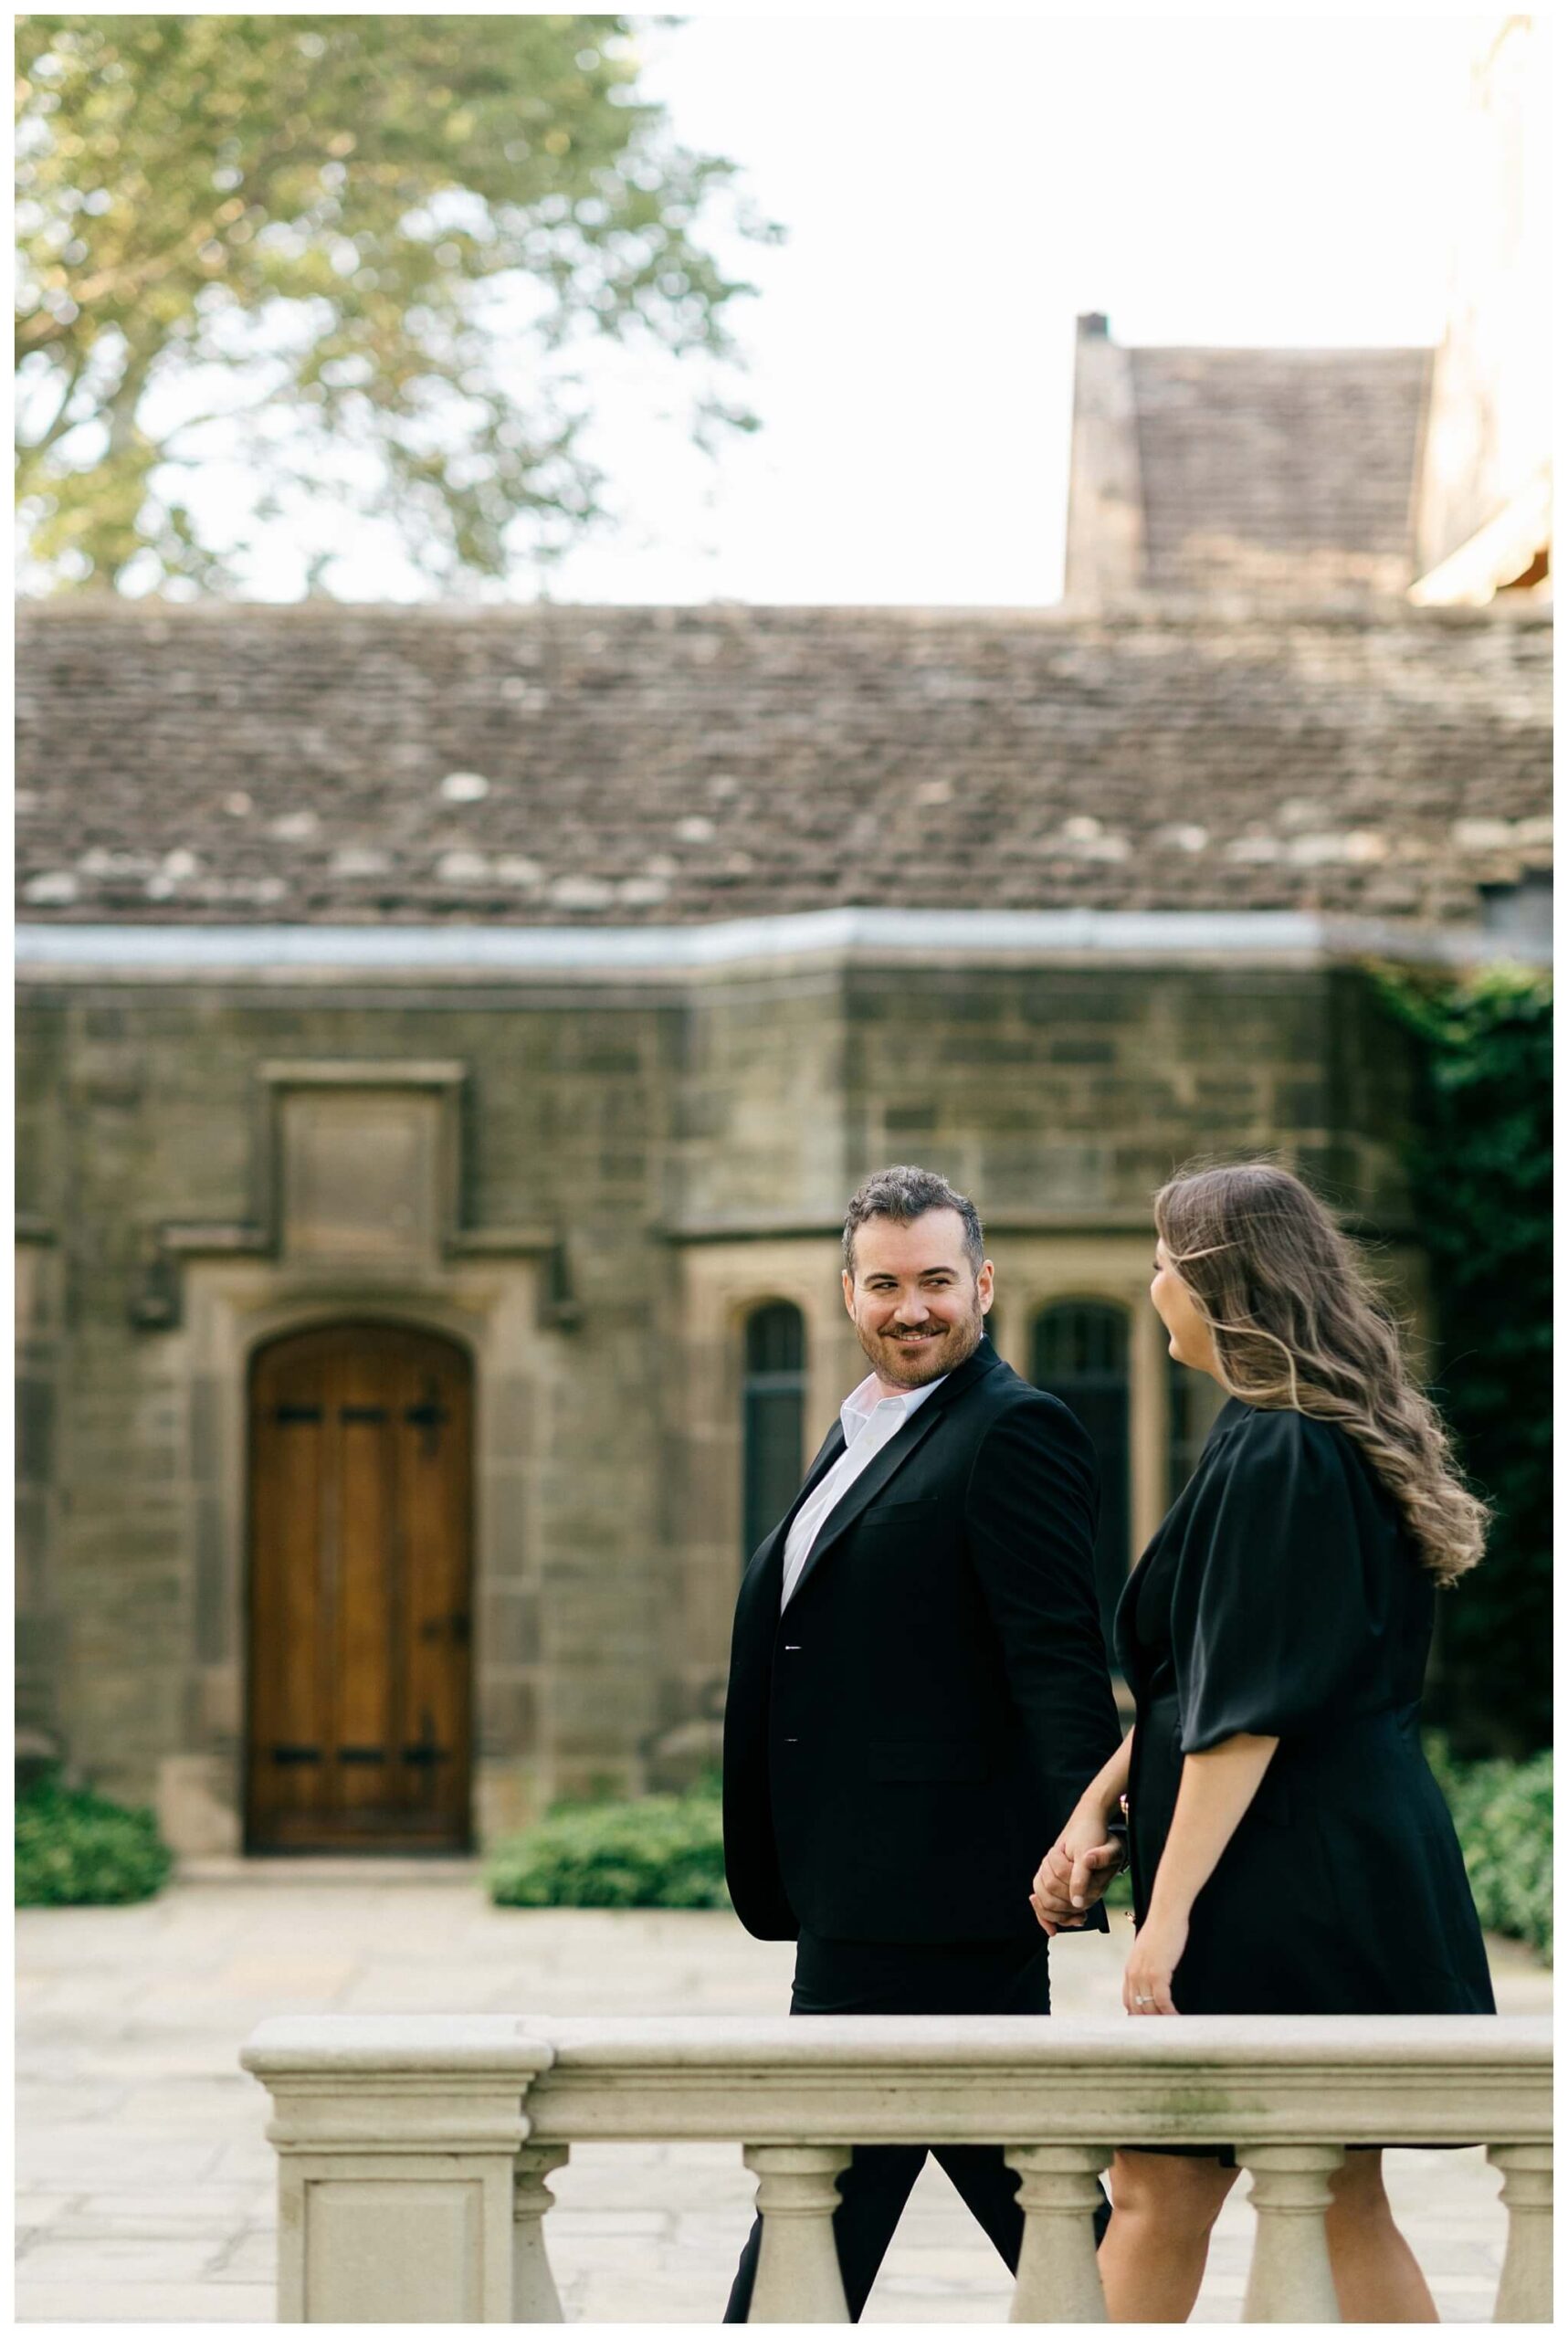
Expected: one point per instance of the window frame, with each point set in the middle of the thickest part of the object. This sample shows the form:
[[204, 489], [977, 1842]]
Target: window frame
[[766, 1492]]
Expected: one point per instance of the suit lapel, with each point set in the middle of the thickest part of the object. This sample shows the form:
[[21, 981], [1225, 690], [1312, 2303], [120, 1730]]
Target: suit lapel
[[867, 1486], [876, 1476], [766, 1561], [827, 1453]]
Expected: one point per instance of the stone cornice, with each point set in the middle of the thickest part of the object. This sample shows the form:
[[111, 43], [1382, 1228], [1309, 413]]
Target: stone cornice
[[400, 956]]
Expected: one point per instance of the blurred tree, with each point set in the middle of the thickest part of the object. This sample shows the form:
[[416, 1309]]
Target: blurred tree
[[352, 256]]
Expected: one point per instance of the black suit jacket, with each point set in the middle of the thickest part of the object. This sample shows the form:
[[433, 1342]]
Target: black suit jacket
[[905, 1742]]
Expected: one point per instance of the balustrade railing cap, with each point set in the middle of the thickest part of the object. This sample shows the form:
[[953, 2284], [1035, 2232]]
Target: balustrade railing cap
[[467, 2043], [1021, 2042], [474, 2043]]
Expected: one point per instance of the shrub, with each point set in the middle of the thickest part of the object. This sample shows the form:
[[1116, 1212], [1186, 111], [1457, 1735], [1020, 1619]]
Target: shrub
[[666, 1851], [76, 1849], [1119, 1890], [1502, 1814]]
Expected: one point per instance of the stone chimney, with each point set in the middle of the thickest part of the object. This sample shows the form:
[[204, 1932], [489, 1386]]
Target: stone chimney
[[1105, 496]]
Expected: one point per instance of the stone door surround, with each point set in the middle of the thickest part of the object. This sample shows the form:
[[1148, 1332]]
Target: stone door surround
[[358, 1185]]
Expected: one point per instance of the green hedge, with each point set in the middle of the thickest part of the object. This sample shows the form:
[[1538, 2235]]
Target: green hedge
[[666, 1851], [76, 1849], [1502, 1814]]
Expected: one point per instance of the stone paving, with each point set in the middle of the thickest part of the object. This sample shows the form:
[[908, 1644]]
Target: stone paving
[[145, 2181]]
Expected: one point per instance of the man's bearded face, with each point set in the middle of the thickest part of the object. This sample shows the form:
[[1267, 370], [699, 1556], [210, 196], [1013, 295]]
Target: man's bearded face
[[918, 1305]]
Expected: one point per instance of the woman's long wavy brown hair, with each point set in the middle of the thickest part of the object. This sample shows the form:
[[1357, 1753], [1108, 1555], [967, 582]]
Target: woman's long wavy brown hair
[[1298, 1325]]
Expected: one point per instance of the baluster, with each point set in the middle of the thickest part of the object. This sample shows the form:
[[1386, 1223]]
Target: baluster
[[534, 2297], [1290, 2279], [1524, 2292], [1058, 2191], [797, 2270]]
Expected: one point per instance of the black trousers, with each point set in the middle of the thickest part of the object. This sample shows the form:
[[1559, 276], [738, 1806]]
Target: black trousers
[[847, 1976]]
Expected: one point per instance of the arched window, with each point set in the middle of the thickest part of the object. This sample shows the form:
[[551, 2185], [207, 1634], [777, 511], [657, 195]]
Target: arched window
[[772, 1418], [1081, 1355]]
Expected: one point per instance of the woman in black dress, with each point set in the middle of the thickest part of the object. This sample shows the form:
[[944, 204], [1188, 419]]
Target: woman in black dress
[[1290, 1851]]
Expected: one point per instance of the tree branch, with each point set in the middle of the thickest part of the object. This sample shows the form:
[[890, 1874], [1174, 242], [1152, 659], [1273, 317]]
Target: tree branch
[[61, 422], [222, 414]]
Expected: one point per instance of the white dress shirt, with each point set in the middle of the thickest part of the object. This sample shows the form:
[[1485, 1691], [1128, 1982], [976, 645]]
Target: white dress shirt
[[868, 1424]]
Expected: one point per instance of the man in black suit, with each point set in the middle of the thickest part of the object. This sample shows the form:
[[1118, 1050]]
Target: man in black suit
[[919, 1690]]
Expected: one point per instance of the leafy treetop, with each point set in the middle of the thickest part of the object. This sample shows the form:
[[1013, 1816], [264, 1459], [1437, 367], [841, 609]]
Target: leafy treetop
[[351, 257]]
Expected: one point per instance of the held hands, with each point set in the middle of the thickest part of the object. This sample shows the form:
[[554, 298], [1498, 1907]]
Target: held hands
[[1075, 1872]]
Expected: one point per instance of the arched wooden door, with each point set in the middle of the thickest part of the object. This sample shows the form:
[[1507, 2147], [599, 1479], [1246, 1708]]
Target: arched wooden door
[[361, 1511]]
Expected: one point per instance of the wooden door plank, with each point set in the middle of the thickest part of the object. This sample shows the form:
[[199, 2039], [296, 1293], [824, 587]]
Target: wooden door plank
[[287, 1718], [435, 1477], [365, 1716], [360, 1590]]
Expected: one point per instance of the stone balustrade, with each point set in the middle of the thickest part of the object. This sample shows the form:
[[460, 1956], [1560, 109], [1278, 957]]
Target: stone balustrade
[[414, 2151]]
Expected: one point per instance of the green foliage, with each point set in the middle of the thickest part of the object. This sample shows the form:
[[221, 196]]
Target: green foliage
[[666, 1851], [1481, 1173], [75, 1849], [1503, 1812], [355, 255]]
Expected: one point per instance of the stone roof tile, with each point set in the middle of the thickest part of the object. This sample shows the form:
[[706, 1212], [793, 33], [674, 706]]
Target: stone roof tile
[[236, 765], [1289, 471]]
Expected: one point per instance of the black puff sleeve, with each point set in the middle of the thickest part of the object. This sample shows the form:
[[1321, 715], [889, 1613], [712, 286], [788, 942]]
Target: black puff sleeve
[[1277, 1612]]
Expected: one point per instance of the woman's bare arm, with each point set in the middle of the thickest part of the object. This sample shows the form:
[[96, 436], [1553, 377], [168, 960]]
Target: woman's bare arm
[[1215, 1790], [1104, 1791], [1216, 1787]]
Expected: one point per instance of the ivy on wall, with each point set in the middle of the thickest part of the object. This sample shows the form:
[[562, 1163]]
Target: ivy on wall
[[1481, 1176]]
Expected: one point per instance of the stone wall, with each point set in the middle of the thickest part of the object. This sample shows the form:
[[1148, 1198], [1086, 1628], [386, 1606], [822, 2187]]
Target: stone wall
[[38, 1633], [682, 1153], [1070, 1095]]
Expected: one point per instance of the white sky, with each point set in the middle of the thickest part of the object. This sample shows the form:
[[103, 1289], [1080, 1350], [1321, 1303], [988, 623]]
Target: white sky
[[956, 190]]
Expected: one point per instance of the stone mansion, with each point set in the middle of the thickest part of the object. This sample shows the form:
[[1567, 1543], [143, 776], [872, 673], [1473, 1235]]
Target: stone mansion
[[448, 1040]]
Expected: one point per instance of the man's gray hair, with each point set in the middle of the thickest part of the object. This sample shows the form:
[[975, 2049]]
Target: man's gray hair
[[903, 1195]]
